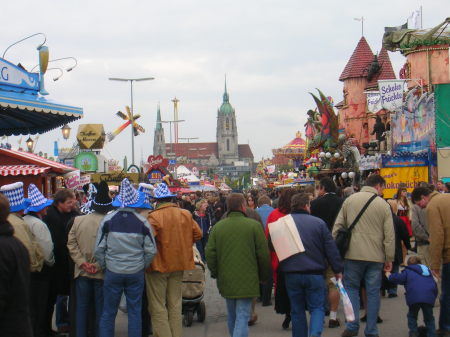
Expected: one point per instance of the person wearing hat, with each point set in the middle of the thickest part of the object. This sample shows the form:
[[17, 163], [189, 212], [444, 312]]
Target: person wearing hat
[[125, 246], [175, 234], [40, 280], [88, 274], [17, 204], [14, 279]]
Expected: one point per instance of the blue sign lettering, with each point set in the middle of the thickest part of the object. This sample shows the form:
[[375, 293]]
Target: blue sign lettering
[[4, 73]]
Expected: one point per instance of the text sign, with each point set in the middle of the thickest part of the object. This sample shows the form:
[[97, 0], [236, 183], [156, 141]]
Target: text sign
[[17, 78], [391, 92]]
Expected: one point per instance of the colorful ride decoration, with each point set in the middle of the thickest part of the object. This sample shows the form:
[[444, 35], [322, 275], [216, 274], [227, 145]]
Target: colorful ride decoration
[[294, 150], [130, 119], [157, 172]]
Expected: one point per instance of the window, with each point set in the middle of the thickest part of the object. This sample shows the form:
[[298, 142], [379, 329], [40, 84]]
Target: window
[[227, 124], [228, 144]]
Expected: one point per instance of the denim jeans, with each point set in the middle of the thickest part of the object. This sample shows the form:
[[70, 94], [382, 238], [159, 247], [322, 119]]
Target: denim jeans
[[306, 291], [370, 272], [113, 287], [88, 289], [239, 310], [444, 315], [428, 318], [62, 311]]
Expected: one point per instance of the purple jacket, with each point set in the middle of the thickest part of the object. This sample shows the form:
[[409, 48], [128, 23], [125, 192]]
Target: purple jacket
[[419, 284]]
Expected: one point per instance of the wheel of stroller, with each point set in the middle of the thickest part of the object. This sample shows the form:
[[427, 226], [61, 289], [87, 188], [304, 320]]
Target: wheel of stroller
[[201, 312], [188, 317]]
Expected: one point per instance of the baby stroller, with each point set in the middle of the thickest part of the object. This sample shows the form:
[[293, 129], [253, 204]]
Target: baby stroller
[[193, 287]]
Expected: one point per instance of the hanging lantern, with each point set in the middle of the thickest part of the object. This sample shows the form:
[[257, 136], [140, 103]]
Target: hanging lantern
[[66, 131], [30, 143]]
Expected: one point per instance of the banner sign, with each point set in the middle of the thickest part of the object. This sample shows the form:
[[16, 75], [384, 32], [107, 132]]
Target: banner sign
[[155, 176], [373, 101], [413, 128], [410, 176], [72, 179], [14, 78], [405, 160], [391, 92], [115, 178], [86, 179], [86, 161]]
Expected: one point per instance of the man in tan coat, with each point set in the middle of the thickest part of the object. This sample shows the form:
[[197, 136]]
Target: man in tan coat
[[438, 218], [175, 233], [372, 245]]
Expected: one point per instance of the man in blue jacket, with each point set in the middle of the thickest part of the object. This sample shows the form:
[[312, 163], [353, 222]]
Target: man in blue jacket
[[125, 247], [304, 271]]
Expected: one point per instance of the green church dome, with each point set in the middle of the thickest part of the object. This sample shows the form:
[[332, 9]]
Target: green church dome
[[226, 108]]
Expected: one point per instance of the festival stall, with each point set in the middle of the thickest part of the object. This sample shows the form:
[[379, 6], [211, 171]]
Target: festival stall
[[27, 167]]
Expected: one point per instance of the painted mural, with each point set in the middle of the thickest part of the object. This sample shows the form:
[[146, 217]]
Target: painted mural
[[413, 127]]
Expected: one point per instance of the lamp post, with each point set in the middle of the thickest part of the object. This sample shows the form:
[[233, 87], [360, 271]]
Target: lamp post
[[170, 131], [60, 59], [26, 38], [131, 80]]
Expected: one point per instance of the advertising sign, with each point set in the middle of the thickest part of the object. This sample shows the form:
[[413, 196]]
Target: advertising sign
[[155, 177], [408, 175], [115, 178], [91, 136], [85, 179], [86, 161], [373, 101], [391, 92], [72, 179], [16, 78], [405, 160]]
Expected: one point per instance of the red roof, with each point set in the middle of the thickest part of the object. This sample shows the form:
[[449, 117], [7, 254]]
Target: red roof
[[24, 170], [386, 71], [298, 143], [204, 150], [361, 58], [12, 157]]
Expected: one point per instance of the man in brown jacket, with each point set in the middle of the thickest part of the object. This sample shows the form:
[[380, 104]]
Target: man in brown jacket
[[175, 233], [438, 217]]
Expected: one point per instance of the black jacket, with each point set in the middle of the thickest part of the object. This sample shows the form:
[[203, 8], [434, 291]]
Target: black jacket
[[401, 234], [327, 208], [14, 285], [57, 225]]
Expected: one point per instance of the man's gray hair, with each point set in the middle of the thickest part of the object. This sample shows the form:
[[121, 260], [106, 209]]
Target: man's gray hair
[[300, 201]]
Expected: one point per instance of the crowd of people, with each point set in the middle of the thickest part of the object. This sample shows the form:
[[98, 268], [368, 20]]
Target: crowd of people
[[72, 258]]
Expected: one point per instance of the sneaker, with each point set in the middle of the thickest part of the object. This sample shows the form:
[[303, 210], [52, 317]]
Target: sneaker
[[364, 318], [349, 333], [286, 323], [334, 323]]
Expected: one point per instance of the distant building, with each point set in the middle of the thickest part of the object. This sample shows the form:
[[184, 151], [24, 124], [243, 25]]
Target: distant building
[[226, 156]]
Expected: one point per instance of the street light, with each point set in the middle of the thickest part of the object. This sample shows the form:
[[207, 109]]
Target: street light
[[65, 131], [170, 131], [26, 38], [60, 59], [131, 80], [59, 76], [30, 143]]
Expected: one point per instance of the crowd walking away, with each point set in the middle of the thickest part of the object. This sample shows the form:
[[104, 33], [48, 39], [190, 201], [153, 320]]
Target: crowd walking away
[[328, 260]]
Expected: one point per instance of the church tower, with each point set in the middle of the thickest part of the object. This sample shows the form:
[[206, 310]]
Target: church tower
[[159, 142], [227, 136]]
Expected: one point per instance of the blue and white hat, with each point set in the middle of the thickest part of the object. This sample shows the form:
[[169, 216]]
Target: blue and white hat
[[14, 193], [38, 201], [162, 191], [129, 197], [147, 189]]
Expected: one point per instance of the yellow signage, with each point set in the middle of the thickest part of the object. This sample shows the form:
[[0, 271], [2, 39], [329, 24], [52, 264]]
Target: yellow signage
[[91, 136], [410, 176], [115, 178]]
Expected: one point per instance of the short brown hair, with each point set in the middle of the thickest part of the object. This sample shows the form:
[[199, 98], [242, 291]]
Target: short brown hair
[[414, 260], [4, 208], [300, 201], [263, 200], [62, 195], [235, 201]]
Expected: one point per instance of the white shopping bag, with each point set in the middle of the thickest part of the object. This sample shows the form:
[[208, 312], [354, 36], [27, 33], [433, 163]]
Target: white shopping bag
[[285, 237], [348, 308]]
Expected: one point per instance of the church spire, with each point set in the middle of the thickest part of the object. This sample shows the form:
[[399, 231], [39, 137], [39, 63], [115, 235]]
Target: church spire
[[158, 119], [226, 98]]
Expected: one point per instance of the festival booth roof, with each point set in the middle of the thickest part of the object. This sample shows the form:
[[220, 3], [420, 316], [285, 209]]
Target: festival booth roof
[[25, 163], [203, 188], [224, 187], [22, 114]]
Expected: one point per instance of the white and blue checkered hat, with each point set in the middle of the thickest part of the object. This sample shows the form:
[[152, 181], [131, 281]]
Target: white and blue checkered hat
[[38, 201], [162, 191], [128, 196], [147, 189], [14, 193]]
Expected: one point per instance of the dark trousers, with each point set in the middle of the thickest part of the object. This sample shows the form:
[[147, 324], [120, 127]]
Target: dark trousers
[[428, 318], [266, 291], [39, 288]]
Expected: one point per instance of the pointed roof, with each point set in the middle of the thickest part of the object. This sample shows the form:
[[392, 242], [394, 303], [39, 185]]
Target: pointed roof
[[158, 119], [386, 71], [226, 108], [359, 61], [226, 98]]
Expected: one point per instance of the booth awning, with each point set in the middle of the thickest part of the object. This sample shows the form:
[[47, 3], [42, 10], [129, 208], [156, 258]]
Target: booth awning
[[25, 170], [22, 114]]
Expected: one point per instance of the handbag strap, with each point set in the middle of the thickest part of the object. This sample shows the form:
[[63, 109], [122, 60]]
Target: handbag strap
[[361, 212]]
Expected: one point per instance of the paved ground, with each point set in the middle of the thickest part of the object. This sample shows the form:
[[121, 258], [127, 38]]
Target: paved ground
[[393, 311]]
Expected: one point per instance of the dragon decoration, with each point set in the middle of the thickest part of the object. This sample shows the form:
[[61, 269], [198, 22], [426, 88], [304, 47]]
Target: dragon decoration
[[322, 133]]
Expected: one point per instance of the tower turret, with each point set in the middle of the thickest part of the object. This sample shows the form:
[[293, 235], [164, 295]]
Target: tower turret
[[159, 142]]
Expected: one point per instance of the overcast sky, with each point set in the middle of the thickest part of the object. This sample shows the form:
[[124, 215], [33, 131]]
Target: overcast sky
[[272, 52]]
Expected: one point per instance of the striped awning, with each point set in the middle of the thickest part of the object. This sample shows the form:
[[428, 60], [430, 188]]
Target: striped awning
[[25, 170]]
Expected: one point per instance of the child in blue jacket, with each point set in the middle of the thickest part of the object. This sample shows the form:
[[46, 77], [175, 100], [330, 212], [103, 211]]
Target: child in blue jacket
[[421, 293]]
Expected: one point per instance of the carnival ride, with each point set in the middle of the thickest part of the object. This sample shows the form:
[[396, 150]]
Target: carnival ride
[[130, 119]]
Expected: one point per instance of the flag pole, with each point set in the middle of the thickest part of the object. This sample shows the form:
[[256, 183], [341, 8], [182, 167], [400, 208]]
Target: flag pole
[[421, 18]]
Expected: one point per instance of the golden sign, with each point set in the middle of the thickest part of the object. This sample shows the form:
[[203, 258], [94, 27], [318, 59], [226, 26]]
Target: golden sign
[[91, 136]]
